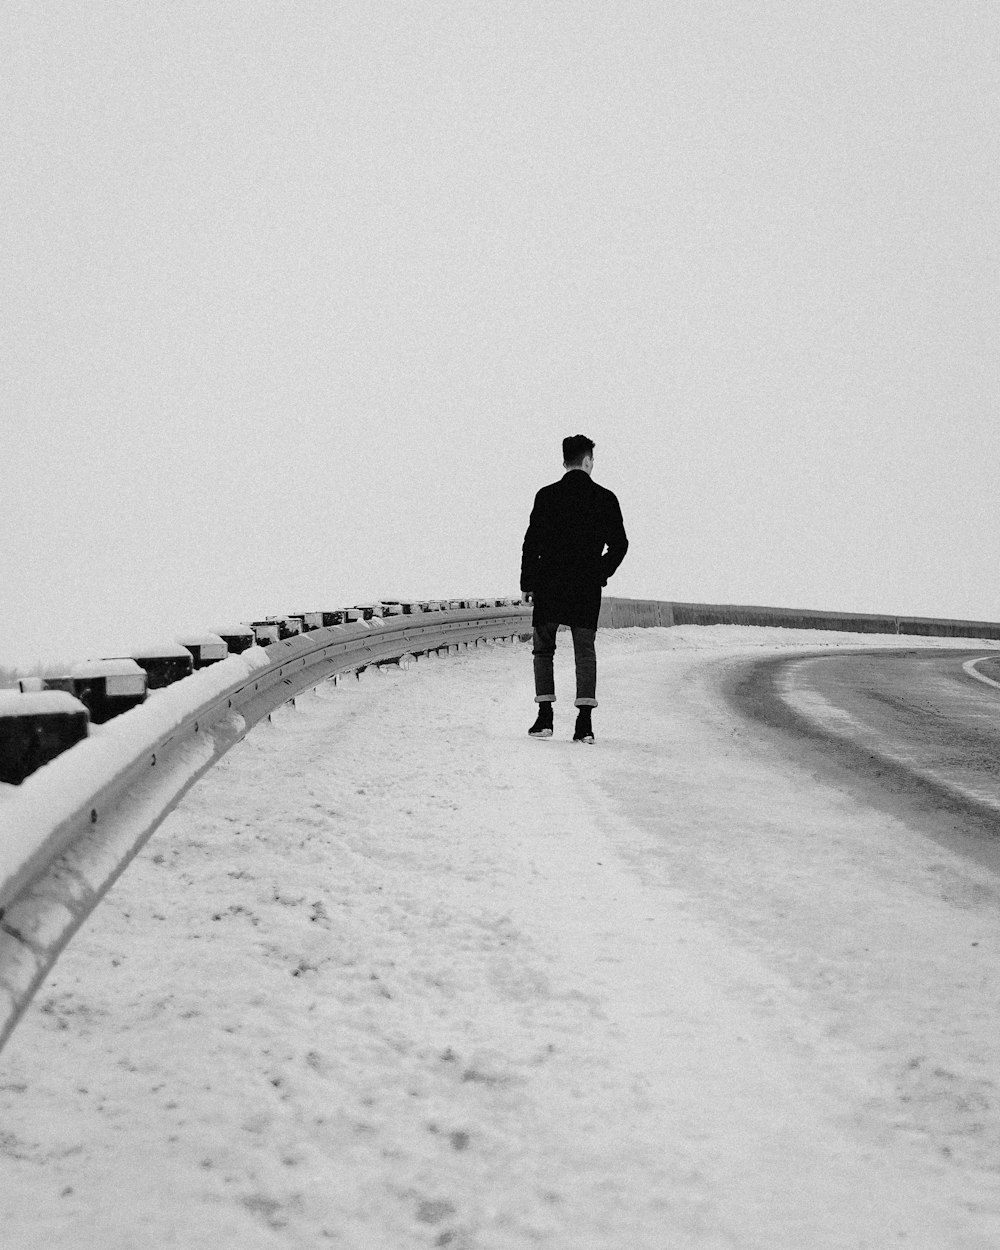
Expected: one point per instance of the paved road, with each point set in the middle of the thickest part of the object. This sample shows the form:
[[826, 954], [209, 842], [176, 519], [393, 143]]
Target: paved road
[[914, 731]]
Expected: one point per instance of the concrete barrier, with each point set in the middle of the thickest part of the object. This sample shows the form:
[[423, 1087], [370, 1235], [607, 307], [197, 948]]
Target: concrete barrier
[[929, 627], [646, 613]]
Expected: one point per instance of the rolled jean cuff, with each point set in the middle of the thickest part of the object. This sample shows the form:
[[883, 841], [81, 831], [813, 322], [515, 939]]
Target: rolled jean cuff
[[586, 703], [545, 698]]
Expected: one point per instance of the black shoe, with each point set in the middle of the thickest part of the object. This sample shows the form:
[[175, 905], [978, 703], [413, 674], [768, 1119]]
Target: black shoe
[[542, 728], [584, 731]]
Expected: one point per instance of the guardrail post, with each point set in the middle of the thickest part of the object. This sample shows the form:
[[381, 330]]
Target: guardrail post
[[35, 728]]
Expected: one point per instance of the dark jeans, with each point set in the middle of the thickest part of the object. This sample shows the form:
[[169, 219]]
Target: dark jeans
[[586, 664]]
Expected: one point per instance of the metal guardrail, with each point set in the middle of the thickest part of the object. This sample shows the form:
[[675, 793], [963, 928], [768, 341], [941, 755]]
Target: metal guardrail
[[74, 830]]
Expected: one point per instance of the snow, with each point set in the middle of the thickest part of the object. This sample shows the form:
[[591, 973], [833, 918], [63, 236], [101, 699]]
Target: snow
[[107, 668], [159, 651], [395, 976], [39, 703], [31, 685], [53, 793]]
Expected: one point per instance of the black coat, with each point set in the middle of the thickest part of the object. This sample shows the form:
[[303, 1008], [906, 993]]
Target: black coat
[[564, 563]]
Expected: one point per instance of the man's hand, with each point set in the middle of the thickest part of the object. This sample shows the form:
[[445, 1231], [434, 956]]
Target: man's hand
[[527, 597]]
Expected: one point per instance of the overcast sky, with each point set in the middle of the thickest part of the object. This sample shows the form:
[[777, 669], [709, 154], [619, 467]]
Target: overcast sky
[[299, 300]]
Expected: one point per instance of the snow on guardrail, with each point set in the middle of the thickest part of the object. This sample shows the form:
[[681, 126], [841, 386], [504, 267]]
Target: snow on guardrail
[[71, 828], [45, 801]]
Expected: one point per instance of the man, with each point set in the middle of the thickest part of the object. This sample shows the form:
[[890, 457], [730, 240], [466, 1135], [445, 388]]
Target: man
[[574, 542]]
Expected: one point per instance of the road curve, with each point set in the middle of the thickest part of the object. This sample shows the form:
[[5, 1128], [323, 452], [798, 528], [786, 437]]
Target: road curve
[[915, 731]]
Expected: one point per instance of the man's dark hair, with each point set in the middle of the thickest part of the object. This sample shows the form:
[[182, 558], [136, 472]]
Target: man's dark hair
[[576, 447]]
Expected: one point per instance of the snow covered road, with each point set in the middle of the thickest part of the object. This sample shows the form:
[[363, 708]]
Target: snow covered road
[[395, 976], [922, 725]]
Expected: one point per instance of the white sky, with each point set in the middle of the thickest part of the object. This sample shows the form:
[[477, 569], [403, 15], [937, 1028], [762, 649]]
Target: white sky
[[300, 299]]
